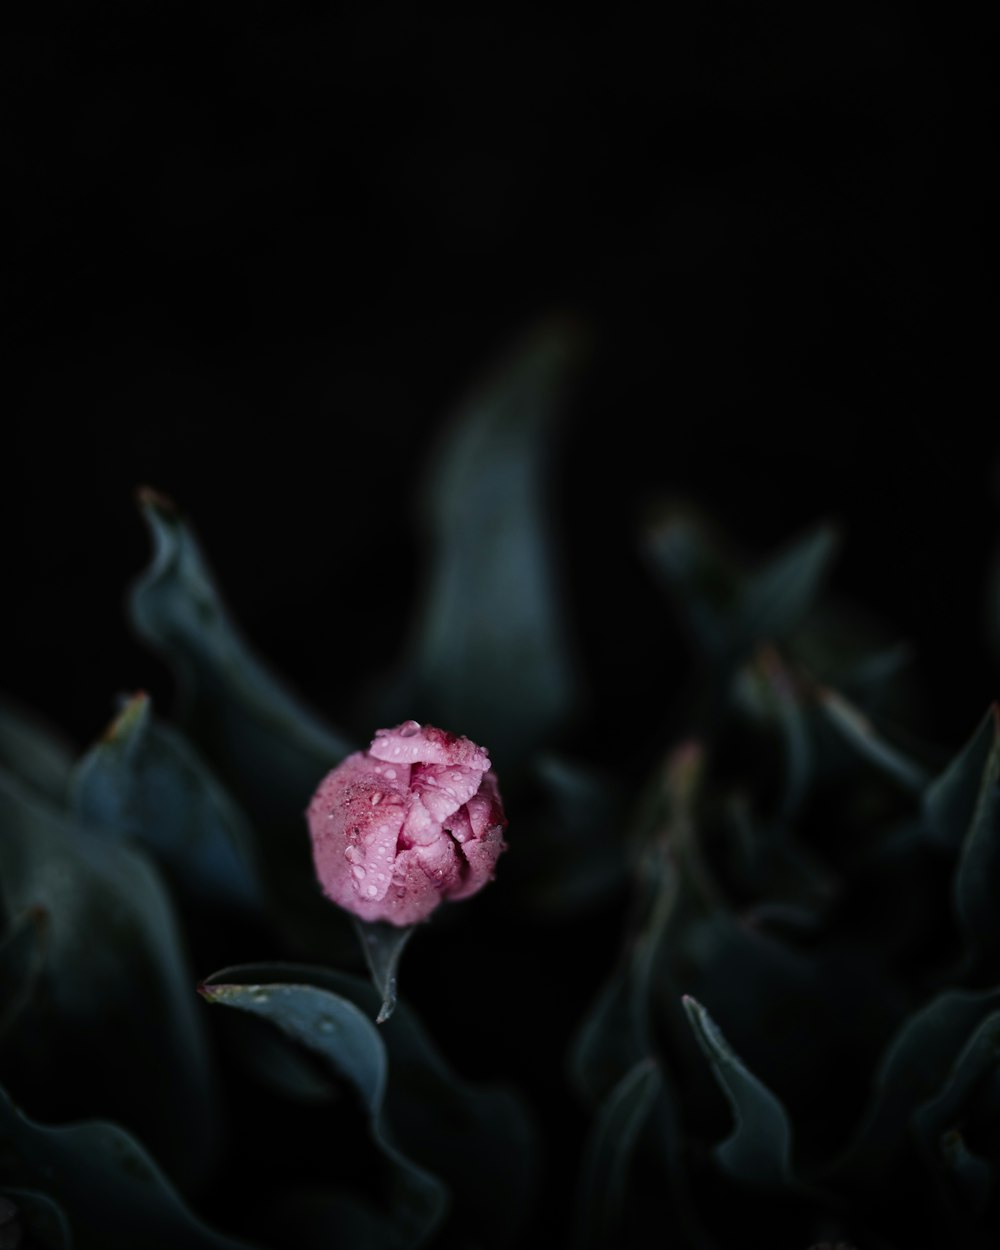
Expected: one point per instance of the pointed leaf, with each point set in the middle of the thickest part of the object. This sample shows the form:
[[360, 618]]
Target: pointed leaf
[[915, 1066], [347, 1040], [608, 1155], [950, 800], [436, 1117], [857, 730], [113, 1193], [758, 1152], [255, 728], [777, 598], [33, 753], [144, 783], [383, 945], [114, 1000], [269, 749], [977, 878], [490, 655]]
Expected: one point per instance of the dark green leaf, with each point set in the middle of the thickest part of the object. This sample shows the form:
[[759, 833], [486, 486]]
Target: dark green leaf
[[977, 878], [383, 945], [41, 1218], [490, 655], [347, 1040], [255, 728], [857, 730], [758, 1152], [608, 1155], [143, 782], [114, 1195], [914, 1068], [33, 753], [270, 750], [437, 1118], [973, 1179], [703, 582], [950, 800], [114, 999], [778, 596]]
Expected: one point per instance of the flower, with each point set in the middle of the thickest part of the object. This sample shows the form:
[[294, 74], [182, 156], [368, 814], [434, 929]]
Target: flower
[[412, 821]]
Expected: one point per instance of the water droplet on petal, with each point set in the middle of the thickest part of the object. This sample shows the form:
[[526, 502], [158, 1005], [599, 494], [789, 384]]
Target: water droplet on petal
[[372, 890], [358, 871], [390, 774], [376, 798], [352, 854], [409, 728], [381, 876], [381, 851]]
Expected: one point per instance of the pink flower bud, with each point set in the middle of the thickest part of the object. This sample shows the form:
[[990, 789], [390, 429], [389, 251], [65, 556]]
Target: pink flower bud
[[412, 821]]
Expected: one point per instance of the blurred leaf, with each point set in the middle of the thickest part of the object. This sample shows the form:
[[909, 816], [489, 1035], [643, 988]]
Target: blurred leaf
[[114, 1195], [269, 749], [114, 1000], [490, 655], [33, 753], [778, 596], [255, 729], [704, 583], [914, 1068], [972, 1178], [41, 1218], [977, 878], [608, 1155], [950, 800], [437, 1118], [858, 732], [758, 1152], [335, 1029], [383, 945], [935, 1121], [143, 782]]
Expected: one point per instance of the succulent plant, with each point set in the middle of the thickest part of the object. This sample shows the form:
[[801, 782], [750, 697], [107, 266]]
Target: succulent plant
[[796, 1044]]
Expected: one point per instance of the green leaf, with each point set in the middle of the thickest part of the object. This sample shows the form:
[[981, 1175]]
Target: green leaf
[[858, 732], [41, 1218], [256, 729], [703, 582], [914, 1068], [965, 1177], [758, 1152], [33, 753], [114, 1000], [144, 783], [346, 1039], [778, 596], [608, 1155], [977, 878], [490, 655], [269, 749], [435, 1117], [950, 800], [383, 945], [114, 1195]]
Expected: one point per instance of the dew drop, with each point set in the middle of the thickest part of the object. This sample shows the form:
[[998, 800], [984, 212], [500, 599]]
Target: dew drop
[[381, 876], [449, 791], [390, 774], [409, 728], [381, 851], [372, 891], [326, 1026], [358, 871], [376, 798], [352, 854]]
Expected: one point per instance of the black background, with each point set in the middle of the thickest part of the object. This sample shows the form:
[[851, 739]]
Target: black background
[[261, 250]]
